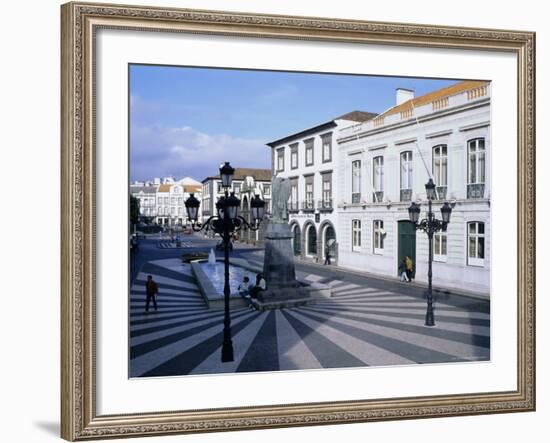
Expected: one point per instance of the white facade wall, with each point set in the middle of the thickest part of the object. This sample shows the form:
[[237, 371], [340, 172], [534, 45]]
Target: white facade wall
[[322, 215], [462, 120]]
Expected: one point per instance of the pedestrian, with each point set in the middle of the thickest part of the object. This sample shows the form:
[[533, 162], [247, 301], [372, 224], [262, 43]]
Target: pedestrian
[[403, 270], [327, 255], [409, 266], [152, 290]]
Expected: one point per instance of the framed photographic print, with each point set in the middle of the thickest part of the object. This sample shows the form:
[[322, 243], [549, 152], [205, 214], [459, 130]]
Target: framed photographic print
[[282, 221]]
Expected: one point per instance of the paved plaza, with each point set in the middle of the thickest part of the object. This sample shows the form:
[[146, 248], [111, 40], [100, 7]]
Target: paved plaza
[[367, 322]]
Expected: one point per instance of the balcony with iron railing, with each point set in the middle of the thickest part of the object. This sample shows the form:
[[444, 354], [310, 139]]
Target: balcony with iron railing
[[441, 192], [476, 190], [325, 205], [293, 207], [378, 196], [405, 195], [308, 206]]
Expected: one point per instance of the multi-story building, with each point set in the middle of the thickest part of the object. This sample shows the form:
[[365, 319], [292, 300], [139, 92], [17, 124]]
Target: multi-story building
[[146, 194], [383, 165], [247, 182], [309, 158], [163, 201]]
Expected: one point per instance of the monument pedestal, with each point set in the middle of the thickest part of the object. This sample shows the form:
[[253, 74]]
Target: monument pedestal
[[283, 290]]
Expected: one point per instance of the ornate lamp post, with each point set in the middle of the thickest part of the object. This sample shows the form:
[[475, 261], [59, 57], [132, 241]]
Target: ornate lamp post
[[226, 224], [430, 226]]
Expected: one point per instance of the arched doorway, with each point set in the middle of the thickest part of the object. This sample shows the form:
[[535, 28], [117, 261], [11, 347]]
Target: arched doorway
[[311, 240], [328, 238], [296, 239]]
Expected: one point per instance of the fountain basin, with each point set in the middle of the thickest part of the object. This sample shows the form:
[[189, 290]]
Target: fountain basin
[[210, 279]]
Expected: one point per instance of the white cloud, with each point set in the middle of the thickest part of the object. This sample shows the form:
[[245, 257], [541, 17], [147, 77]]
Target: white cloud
[[158, 150]]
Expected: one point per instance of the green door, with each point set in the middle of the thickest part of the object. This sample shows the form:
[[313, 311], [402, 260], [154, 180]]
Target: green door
[[407, 242]]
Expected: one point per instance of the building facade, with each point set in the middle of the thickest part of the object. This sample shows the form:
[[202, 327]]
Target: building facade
[[247, 182], [162, 202], [146, 193], [309, 159], [384, 164]]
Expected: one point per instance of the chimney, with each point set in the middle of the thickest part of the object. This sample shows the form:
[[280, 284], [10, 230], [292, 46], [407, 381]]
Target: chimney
[[402, 95]]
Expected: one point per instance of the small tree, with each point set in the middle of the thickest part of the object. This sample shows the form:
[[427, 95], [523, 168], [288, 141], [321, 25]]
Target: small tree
[[134, 210]]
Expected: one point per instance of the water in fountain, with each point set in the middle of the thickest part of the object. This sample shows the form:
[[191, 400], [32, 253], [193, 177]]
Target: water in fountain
[[211, 257]]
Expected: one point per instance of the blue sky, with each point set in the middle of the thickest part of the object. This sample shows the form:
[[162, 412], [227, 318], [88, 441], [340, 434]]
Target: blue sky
[[186, 121]]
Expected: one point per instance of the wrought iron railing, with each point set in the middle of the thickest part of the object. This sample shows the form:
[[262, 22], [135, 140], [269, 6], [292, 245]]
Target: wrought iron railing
[[405, 195], [308, 205], [441, 192], [476, 190], [325, 204], [378, 196]]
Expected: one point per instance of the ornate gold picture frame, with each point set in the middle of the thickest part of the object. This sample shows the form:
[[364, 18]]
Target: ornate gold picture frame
[[80, 23]]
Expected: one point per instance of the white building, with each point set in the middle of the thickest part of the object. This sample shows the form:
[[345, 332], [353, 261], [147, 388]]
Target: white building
[[247, 182], [146, 194], [384, 163], [309, 158], [163, 201]]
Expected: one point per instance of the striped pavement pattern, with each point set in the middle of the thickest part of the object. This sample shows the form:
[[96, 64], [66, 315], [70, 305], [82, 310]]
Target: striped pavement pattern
[[358, 326]]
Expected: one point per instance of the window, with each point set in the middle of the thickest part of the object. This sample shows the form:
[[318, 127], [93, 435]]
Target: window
[[327, 191], [180, 201], [294, 156], [476, 243], [355, 235], [281, 159], [267, 189], [406, 175], [356, 181], [439, 170], [173, 211], [378, 236], [326, 141], [378, 178], [237, 188], [293, 195], [476, 168], [166, 200], [309, 193], [440, 246], [309, 152]]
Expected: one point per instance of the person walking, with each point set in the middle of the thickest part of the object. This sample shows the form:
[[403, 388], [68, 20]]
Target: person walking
[[152, 290], [403, 270], [409, 267], [327, 255]]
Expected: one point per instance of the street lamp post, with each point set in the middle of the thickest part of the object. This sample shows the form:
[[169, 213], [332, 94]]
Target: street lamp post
[[430, 226], [226, 223]]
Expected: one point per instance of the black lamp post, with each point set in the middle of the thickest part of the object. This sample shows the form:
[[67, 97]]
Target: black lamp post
[[226, 224], [430, 226]]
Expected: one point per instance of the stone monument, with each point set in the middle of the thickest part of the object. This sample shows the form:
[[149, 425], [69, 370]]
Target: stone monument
[[279, 271]]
